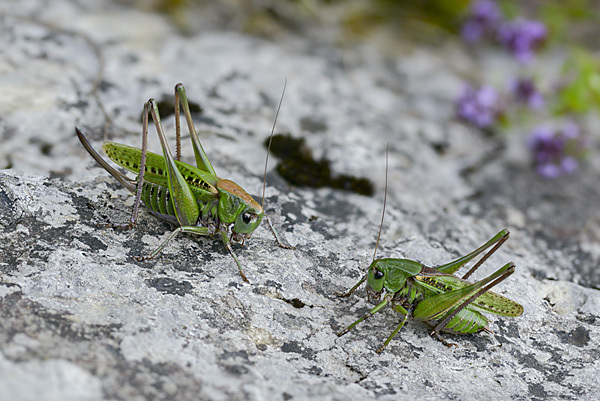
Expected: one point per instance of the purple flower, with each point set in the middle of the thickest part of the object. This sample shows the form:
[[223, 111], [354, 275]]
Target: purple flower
[[522, 37], [480, 107], [484, 19], [524, 91], [571, 131], [556, 153]]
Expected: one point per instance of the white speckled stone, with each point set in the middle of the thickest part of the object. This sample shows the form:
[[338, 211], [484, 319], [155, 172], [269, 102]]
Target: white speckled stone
[[80, 319]]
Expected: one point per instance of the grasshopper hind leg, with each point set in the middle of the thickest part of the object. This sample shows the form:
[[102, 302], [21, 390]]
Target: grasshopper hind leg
[[476, 290]]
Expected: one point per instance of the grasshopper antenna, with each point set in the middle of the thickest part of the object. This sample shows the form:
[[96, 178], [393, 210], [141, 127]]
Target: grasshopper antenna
[[364, 277], [387, 163], [262, 204]]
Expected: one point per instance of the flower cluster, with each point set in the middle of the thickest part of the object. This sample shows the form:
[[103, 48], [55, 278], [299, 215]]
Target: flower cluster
[[481, 107], [556, 152], [520, 36], [524, 91], [484, 20]]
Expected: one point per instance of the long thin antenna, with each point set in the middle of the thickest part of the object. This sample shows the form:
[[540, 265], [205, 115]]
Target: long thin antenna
[[387, 151], [271, 140]]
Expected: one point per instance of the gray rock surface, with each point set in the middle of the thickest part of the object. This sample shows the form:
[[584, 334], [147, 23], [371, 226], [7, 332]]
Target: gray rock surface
[[80, 319]]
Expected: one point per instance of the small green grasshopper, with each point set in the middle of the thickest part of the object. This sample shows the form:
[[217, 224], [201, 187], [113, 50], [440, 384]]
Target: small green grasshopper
[[193, 198], [434, 295]]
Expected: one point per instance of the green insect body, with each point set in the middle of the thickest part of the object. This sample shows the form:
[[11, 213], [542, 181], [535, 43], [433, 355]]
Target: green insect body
[[193, 198], [217, 199], [434, 295]]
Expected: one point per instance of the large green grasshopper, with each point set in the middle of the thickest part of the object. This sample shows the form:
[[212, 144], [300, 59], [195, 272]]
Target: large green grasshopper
[[193, 198], [434, 295]]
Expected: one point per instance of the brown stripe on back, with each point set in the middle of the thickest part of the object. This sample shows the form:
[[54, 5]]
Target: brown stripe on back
[[235, 189]]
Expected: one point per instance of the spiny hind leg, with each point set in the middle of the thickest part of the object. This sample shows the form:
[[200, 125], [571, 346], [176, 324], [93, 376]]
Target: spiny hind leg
[[202, 161], [481, 286], [495, 242]]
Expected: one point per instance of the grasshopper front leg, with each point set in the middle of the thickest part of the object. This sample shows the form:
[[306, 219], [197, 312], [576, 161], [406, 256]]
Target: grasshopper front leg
[[353, 289], [405, 313], [227, 244], [277, 236], [367, 315]]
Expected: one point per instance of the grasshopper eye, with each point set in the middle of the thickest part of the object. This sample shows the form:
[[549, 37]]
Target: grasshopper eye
[[378, 275], [248, 217]]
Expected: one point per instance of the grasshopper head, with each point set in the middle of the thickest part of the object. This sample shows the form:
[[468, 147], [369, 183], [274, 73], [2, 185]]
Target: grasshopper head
[[376, 277], [238, 207], [247, 221], [390, 274]]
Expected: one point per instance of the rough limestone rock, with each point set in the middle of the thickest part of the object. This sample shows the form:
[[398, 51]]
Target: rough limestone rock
[[81, 319]]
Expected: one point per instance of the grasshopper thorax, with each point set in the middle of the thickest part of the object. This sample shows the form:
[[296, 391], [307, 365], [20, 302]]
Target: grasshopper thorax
[[237, 207], [390, 274]]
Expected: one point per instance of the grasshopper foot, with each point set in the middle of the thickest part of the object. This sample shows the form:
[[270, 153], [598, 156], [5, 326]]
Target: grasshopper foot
[[446, 343], [342, 332], [244, 277]]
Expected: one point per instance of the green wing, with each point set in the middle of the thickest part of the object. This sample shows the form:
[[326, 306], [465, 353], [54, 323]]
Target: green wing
[[202, 183], [452, 290]]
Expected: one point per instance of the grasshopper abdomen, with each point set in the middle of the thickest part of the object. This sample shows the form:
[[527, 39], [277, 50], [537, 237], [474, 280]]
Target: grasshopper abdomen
[[466, 321]]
